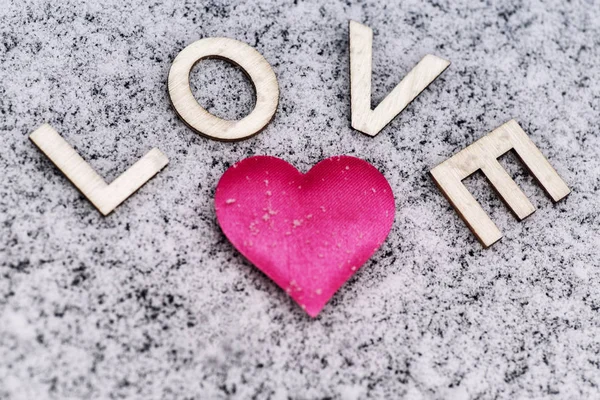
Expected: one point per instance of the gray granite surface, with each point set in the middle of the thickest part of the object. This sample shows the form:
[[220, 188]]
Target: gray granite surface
[[152, 302]]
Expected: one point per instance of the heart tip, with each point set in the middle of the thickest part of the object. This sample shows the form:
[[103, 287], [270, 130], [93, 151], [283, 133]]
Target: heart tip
[[313, 313]]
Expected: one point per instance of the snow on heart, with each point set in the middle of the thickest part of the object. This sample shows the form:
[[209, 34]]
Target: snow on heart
[[308, 232]]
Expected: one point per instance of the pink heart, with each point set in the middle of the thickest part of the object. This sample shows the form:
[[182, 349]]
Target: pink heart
[[308, 232]]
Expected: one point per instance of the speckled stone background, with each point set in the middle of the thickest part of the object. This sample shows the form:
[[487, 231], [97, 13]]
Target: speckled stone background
[[152, 302]]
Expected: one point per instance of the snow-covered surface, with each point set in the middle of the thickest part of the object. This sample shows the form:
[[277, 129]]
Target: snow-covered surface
[[152, 302]]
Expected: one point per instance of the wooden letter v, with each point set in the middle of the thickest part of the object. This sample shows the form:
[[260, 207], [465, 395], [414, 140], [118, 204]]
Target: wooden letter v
[[372, 121]]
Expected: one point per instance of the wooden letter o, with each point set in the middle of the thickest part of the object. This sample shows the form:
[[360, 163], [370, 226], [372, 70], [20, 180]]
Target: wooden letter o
[[250, 61]]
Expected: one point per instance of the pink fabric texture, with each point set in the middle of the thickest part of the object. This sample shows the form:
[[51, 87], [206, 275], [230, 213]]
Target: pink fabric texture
[[308, 232]]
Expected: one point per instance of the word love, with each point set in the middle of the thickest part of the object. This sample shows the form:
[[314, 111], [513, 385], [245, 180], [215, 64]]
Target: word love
[[481, 155]]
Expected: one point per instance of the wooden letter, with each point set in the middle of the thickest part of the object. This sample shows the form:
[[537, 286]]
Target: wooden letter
[[482, 155], [372, 121], [105, 197], [256, 68]]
